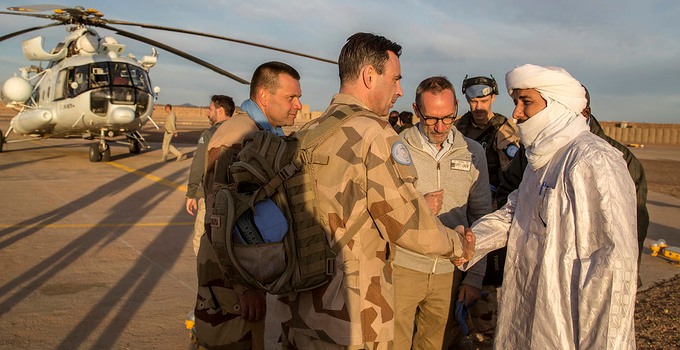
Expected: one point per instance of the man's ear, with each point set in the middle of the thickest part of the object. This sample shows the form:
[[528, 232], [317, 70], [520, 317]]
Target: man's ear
[[368, 75], [262, 97]]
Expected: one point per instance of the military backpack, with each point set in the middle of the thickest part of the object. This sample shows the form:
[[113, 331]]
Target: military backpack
[[263, 222]]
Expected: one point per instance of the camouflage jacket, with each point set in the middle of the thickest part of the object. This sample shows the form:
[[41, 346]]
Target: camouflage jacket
[[369, 170]]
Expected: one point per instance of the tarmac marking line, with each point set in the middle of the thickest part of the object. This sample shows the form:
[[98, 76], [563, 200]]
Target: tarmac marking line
[[151, 177], [130, 224]]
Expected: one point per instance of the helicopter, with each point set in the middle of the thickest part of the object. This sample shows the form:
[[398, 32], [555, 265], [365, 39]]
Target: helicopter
[[89, 88]]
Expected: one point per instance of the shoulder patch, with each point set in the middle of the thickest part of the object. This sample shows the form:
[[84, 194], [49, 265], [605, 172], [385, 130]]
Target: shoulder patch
[[400, 153], [511, 150]]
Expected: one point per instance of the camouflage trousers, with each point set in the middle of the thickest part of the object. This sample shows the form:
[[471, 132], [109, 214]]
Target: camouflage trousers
[[218, 321], [291, 340]]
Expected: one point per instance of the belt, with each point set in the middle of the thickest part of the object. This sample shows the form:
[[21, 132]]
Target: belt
[[421, 263]]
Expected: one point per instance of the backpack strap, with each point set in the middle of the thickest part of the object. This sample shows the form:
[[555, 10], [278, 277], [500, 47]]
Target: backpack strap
[[312, 138], [227, 156], [326, 128]]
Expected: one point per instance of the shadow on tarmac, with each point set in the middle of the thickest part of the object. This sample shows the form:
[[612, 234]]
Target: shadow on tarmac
[[123, 298]]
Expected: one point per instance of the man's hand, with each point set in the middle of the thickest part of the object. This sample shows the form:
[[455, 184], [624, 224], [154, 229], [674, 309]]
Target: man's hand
[[469, 294], [434, 200], [176, 134], [192, 206], [468, 245], [253, 305]]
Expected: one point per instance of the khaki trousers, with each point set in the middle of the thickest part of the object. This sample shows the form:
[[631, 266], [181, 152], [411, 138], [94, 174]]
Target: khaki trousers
[[421, 300], [199, 224], [168, 147]]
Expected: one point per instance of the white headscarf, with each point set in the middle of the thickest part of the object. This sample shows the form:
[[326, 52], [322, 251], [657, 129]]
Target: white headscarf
[[552, 82], [550, 129]]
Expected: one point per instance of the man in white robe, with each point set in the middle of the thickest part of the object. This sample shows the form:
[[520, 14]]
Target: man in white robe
[[570, 228]]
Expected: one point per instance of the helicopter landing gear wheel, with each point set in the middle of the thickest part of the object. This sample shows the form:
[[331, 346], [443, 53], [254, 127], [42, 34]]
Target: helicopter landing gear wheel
[[95, 156], [134, 146], [106, 154]]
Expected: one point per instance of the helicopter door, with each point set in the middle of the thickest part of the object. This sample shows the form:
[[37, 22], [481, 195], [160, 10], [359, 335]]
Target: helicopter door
[[62, 85]]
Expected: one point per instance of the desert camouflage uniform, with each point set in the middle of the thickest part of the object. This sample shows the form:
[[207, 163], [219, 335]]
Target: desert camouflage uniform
[[369, 171], [219, 324]]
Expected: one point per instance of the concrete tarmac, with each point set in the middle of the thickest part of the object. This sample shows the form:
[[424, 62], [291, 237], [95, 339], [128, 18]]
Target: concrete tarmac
[[98, 255]]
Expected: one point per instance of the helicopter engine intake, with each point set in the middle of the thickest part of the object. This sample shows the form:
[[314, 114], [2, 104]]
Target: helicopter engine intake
[[31, 121]]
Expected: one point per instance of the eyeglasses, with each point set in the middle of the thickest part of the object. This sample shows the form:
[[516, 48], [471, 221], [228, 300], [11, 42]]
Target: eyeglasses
[[432, 121]]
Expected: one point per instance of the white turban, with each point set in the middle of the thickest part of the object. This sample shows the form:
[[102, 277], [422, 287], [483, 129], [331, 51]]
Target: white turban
[[551, 82]]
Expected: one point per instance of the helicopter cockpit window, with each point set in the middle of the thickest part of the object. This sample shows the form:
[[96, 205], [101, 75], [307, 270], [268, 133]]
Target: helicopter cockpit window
[[121, 74], [77, 80], [99, 75], [139, 78]]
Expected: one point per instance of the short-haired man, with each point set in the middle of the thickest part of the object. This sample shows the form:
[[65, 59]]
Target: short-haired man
[[570, 274], [494, 131], [230, 315], [221, 108], [500, 139], [169, 131], [367, 187], [451, 171]]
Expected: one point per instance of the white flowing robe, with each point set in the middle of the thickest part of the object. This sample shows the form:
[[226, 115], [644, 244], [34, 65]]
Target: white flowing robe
[[571, 267]]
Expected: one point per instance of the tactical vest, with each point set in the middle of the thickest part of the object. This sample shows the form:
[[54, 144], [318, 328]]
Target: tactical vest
[[495, 260], [487, 139]]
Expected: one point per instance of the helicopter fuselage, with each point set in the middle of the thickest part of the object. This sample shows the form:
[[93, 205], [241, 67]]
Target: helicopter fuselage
[[85, 95]]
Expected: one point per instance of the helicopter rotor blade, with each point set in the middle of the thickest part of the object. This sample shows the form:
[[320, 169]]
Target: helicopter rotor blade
[[176, 52], [36, 8], [38, 15], [208, 35], [11, 35]]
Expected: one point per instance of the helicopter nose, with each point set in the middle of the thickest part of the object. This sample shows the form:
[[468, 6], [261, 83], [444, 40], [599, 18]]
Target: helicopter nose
[[122, 115]]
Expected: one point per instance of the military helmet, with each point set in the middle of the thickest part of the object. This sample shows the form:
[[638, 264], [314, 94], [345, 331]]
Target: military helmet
[[479, 86]]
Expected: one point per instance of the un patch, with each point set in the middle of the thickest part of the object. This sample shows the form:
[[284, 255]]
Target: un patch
[[400, 153]]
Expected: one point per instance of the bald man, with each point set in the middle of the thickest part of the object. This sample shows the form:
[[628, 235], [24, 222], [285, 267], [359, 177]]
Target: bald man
[[570, 227]]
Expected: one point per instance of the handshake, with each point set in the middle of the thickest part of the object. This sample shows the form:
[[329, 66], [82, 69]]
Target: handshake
[[434, 201]]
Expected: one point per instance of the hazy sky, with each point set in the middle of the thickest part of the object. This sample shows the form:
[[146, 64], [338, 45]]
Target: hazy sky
[[626, 52]]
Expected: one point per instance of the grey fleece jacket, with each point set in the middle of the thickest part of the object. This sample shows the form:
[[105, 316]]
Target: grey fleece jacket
[[463, 175]]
